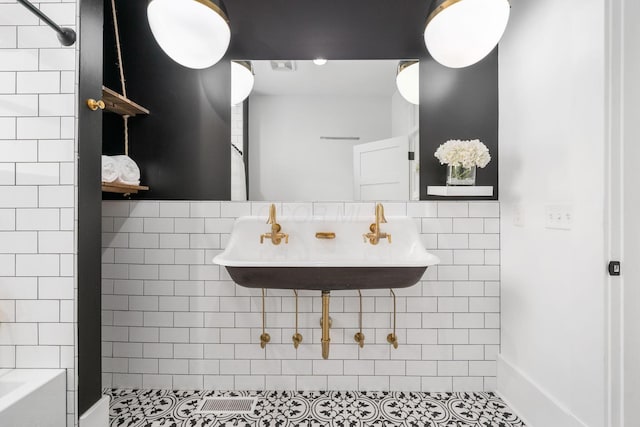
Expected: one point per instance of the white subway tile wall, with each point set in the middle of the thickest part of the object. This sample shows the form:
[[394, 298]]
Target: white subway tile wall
[[172, 319], [38, 89]]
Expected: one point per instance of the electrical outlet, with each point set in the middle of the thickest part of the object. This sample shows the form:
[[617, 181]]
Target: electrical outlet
[[559, 217]]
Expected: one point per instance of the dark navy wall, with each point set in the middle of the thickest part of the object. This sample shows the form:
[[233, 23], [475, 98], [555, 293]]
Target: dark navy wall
[[458, 104]]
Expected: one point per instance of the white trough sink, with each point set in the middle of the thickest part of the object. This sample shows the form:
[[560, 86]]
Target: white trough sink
[[348, 261]]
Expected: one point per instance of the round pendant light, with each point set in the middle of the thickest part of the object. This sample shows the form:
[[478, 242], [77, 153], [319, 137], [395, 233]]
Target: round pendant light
[[194, 33], [241, 81], [460, 33], [408, 81]]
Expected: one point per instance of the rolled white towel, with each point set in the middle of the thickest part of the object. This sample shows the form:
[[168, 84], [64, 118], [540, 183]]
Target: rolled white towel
[[110, 169], [128, 171]]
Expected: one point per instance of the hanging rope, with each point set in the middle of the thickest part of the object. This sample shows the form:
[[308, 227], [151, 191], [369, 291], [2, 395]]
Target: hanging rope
[[126, 135], [118, 47], [125, 118]]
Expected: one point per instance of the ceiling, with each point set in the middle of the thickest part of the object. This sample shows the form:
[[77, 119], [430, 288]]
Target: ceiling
[[333, 29], [361, 77]]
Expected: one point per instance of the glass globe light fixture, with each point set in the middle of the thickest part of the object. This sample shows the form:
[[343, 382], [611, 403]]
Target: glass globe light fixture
[[459, 33], [242, 80], [408, 81]]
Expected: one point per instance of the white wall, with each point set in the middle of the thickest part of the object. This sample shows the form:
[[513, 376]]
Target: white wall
[[286, 147], [37, 203], [405, 116], [552, 127]]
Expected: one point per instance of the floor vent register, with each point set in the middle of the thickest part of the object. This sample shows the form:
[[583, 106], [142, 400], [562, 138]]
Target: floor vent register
[[227, 405]]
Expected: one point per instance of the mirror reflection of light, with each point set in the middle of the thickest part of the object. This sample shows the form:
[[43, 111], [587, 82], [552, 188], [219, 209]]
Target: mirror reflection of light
[[460, 33], [242, 80], [194, 33], [408, 81], [320, 61]]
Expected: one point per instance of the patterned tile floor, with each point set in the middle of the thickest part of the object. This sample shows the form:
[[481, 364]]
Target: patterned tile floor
[[171, 408]]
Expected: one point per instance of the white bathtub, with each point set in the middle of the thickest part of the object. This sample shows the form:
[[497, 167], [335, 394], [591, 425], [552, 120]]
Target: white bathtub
[[33, 398]]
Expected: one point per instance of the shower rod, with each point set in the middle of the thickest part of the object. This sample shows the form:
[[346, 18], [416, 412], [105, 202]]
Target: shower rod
[[66, 35]]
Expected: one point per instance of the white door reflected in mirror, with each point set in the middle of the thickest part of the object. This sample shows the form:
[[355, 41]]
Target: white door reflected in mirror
[[381, 170]]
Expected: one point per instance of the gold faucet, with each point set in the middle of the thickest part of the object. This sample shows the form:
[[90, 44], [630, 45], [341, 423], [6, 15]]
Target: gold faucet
[[276, 236], [375, 235]]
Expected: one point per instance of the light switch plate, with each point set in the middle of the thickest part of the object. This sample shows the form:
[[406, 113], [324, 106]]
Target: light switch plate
[[559, 217]]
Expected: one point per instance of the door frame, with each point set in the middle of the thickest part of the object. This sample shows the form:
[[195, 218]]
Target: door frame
[[620, 300]]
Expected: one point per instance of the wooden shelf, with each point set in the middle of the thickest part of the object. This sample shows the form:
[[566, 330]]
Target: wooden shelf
[[117, 187], [118, 104]]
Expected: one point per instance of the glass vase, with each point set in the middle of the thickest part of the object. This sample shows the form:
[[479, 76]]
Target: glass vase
[[459, 175]]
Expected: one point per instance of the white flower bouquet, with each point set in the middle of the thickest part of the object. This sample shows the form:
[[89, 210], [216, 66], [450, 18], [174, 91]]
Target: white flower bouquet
[[462, 158], [463, 153]]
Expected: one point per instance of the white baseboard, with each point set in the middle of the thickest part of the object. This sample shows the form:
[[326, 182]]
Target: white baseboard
[[97, 415], [535, 406]]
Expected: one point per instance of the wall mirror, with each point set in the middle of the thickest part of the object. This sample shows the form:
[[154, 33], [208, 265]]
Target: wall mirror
[[339, 131]]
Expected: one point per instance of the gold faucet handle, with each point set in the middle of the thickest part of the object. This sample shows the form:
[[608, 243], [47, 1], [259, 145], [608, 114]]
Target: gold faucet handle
[[276, 238], [262, 236], [280, 236], [272, 214], [386, 236], [380, 213]]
